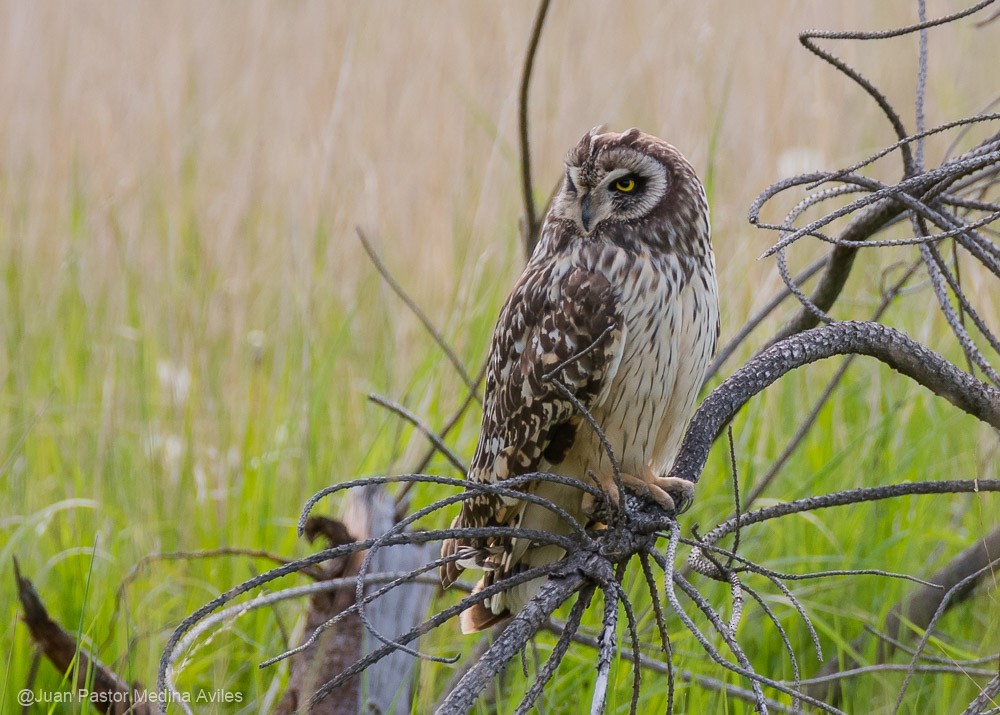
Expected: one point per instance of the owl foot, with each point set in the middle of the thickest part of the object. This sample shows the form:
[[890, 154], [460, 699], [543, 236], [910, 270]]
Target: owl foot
[[648, 486], [658, 489]]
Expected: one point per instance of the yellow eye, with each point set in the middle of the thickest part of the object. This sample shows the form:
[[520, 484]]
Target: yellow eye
[[626, 184]]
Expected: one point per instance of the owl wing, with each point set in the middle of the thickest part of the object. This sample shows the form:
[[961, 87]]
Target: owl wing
[[567, 321]]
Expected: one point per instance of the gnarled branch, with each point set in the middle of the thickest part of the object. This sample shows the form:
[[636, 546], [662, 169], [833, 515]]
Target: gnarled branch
[[890, 346]]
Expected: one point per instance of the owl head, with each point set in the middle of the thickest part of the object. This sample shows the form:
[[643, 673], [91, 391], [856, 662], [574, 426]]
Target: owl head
[[632, 187]]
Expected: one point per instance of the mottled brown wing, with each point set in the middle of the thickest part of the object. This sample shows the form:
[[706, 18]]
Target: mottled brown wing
[[554, 313], [547, 321]]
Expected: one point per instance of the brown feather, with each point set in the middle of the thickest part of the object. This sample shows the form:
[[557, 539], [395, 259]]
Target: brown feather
[[479, 617]]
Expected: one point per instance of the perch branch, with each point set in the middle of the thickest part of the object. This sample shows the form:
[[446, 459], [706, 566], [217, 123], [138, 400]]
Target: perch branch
[[890, 346]]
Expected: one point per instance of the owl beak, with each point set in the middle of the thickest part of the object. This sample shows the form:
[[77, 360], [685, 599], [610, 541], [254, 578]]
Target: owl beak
[[585, 214]]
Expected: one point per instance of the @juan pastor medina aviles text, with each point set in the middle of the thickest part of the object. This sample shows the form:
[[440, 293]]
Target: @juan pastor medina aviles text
[[102, 697]]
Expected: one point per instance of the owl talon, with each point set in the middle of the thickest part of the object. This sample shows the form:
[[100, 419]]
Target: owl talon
[[658, 489], [650, 491], [681, 489]]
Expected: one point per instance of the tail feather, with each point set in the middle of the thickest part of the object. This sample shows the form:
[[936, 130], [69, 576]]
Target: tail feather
[[503, 557], [451, 570], [480, 616]]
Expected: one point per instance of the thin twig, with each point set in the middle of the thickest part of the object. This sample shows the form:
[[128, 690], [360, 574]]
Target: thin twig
[[439, 445], [527, 192], [416, 310]]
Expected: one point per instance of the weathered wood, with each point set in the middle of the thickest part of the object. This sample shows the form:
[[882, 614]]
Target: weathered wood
[[337, 647], [387, 686]]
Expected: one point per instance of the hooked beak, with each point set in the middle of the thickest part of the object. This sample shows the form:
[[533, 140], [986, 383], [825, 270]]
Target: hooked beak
[[585, 215]]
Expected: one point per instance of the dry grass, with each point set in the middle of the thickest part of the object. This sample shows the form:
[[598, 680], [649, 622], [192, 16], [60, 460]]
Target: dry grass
[[277, 127]]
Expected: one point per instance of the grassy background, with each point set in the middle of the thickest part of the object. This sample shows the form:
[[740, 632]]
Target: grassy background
[[188, 326]]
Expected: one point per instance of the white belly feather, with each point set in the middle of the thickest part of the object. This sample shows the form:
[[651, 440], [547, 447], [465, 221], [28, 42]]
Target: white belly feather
[[669, 339]]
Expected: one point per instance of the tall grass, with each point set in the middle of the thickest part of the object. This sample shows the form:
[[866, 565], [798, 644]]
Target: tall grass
[[188, 327]]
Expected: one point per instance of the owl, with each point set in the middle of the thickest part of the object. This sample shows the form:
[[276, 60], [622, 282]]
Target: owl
[[623, 280]]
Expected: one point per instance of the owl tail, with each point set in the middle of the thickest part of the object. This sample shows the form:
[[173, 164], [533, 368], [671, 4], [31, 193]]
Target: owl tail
[[504, 557], [450, 571], [523, 554], [504, 604], [480, 616]]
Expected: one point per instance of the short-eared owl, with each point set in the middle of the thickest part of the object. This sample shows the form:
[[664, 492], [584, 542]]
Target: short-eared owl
[[624, 261]]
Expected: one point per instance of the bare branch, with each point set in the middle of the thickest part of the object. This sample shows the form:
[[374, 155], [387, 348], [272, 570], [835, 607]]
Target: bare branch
[[923, 603], [523, 626], [605, 652], [531, 223], [73, 660], [658, 666], [439, 445], [890, 346], [727, 350], [957, 592], [549, 669], [986, 701], [416, 310]]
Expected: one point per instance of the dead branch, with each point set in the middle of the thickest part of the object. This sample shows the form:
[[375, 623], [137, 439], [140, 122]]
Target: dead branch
[[839, 267], [727, 350], [957, 592], [340, 647], [531, 222], [514, 637], [438, 443], [417, 311], [668, 670], [849, 496], [111, 693], [807, 423], [986, 702], [470, 397], [890, 346]]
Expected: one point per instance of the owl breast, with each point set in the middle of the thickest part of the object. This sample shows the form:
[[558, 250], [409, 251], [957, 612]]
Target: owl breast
[[671, 314]]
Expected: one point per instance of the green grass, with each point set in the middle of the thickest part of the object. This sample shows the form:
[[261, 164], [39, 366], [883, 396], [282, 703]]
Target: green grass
[[107, 460], [189, 329]]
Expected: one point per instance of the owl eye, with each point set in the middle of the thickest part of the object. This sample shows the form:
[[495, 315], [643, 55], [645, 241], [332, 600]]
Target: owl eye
[[626, 184]]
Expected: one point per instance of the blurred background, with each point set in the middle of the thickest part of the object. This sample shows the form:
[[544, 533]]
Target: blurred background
[[189, 326]]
